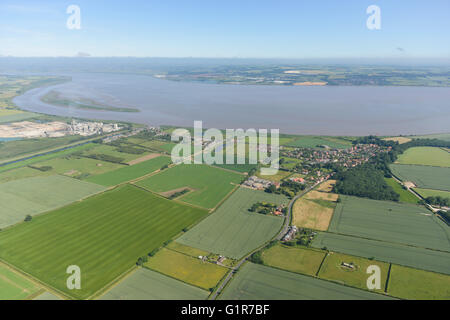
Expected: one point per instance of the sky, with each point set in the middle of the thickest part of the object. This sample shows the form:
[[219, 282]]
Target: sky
[[226, 28]]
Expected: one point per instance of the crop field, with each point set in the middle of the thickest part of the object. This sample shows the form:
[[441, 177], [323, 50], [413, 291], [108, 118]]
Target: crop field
[[405, 195], [145, 284], [425, 177], [414, 257], [16, 116], [440, 136], [32, 196], [275, 177], [21, 173], [332, 269], [432, 193], [314, 142], [78, 167], [427, 156], [210, 184], [188, 269], [232, 230], [293, 259], [128, 173], [112, 151], [390, 221], [241, 168], [13, 286], [103, 235], [314, 210], [400, 140], [190, 251], [326, 186], [257, 282], [46, 296], [408, 283]]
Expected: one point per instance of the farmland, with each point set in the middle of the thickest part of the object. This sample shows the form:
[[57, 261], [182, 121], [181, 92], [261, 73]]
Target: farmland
[[35, 195], [145, 284], [314, 210], [128, 173], [188, 269], [257, 282], [104, 149], [390, 221], [105, 232], [210, 184], [425, 177], [405, 195], [427, 156], [15, 287], [432, 193], [293, 259], [414, 257], [232, 230], [410, 283], [314, 142], [332, 269]]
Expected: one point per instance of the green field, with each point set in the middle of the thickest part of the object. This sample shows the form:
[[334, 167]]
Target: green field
[[112, 151], [427, 156], [15, 287], [128, 173], [432, 193], [32, 196], [425, 177], [103, 235], [390, 221], [16, 117], [145, 284], [46, 296], [232, 230], [415, 284], [332, 269], [314, 142], [293, 259], [257, 282], [190, 251], [440, 136], [432, 260], [21, 173], [188, 269], [405, 195], [210, 184]]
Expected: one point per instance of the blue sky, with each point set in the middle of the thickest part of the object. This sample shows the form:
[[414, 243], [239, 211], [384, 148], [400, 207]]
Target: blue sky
[[227, 28]]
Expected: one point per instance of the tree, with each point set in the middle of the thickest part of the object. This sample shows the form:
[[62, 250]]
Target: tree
[[28, 218]]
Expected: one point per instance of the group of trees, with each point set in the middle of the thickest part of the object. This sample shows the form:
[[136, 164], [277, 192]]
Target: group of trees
[[287, 188], [438, 201]]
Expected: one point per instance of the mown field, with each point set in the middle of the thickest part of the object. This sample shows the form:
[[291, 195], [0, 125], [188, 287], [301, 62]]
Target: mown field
[[35, 195], [313, 142], [314, 210], [6, 117], [232, 230], [405, 195], [210, 184], [414, 257], [332, 269], [145, 284], [188, 269], [408, 283], [425, 177], [257, 282], [390, 221], [432, 193], [128, 173], [427, 156], [103, 235], [293, 259], [13, 286]]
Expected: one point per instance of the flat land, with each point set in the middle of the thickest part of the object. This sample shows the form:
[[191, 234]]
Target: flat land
[[332, 269], [21, 173], [326, 186], [440, 136], [432, 193], [190, 251], [232, 230], [145, 284], [415, 284], [46, 296], [390, 221], [210, 184], [312, 211], [32, 196], [275, 177], [128, 173], [405, 195], [14, 286], [314, 142], [257, 282], [427, 156], [144, 158], [293, 259], [105, 232], [400, 140], [188, 269], [113, 151], [414, 257], [425, 177]]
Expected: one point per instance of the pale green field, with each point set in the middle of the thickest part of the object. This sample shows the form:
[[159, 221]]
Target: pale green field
[[432, 193], [15, 287], [427, 156], [188, 269], [415, 284]]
